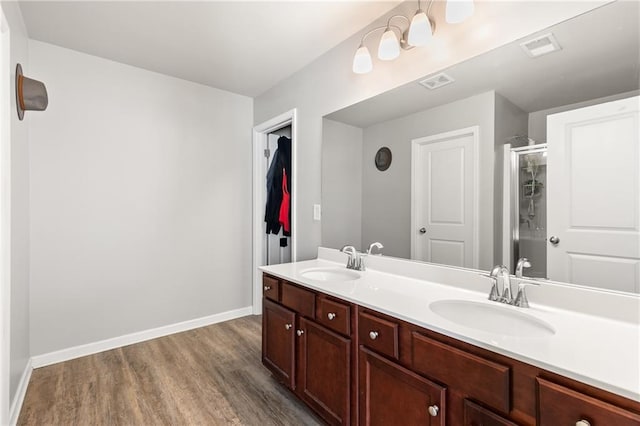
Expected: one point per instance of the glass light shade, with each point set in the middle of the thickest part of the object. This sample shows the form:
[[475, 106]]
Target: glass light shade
[[420, 31], [362, 60], [389, 47], [458, 10]]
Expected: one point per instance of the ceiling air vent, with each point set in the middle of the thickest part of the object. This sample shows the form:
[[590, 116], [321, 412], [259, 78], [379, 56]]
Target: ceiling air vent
[[540, 45], [437, 81]]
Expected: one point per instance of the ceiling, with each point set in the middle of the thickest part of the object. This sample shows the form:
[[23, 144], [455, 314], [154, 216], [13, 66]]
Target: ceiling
[[600, 56], [240, 46]]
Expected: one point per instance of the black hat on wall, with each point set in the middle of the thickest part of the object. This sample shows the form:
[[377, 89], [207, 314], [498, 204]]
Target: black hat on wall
[[31, 95]]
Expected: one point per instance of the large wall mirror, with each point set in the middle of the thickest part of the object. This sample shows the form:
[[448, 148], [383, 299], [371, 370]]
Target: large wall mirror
[[518, 156]]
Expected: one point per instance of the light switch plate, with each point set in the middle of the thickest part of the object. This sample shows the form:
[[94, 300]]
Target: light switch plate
[[317, 212]]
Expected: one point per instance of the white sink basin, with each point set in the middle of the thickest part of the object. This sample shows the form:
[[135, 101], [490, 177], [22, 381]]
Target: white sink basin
[[330, 274], [492, 318]]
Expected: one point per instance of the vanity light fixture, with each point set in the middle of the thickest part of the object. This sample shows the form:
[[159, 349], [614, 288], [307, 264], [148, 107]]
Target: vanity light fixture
[[418, 33], [458, 11]]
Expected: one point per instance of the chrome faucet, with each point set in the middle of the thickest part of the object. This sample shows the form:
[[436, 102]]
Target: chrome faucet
[[523, 262], [521, 298], [500, 273], [353, 256], [375, 245]]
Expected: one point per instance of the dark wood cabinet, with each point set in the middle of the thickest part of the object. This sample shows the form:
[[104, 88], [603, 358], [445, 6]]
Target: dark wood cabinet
[[393, 395], [324, 371], [278, 344], [312, 360], [353, 365]]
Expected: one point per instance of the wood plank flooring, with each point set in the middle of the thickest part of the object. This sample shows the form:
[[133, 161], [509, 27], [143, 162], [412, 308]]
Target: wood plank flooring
[[208, 376]]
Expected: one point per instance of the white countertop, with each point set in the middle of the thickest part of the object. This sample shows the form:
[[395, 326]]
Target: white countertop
[[594, 349]]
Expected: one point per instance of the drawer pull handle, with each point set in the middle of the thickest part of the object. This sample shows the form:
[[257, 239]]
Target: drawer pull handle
[[300, 332], [583, 423], [373, 335], [267, 287], [287, 326], [433, 410], [331, 316]]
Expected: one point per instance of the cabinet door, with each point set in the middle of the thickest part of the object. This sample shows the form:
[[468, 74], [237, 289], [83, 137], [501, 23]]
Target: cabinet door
[[278, 349], [393, 395], [324, 371]]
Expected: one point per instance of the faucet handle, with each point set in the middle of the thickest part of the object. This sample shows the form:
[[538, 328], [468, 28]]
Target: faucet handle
[[494, 295], [521, 298]]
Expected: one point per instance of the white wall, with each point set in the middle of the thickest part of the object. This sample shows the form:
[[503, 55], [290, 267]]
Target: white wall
[[140, 200], [328, 84], [15, 198], [386, 196], [341, 185]]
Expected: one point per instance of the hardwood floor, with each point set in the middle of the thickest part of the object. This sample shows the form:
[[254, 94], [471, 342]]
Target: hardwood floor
[[208, 376]]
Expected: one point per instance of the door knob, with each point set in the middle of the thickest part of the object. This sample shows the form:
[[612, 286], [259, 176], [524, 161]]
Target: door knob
[[554, 240], [433, 410], [423, 230]]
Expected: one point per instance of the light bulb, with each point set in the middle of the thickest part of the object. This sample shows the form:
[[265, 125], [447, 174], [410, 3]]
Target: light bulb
[[458, 10], [420, 31], [389, 47], [362, 60]]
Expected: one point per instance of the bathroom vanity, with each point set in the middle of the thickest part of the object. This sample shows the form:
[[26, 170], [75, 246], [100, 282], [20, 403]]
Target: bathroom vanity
[[387, 346]]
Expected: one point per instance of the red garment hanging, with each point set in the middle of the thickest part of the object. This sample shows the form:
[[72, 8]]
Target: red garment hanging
[[284, 206]]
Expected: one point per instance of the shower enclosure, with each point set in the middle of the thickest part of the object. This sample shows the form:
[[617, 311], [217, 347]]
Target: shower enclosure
[[529, 207]]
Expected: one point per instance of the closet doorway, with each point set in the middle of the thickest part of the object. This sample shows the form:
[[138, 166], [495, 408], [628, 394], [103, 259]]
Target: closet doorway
[[276, 246]]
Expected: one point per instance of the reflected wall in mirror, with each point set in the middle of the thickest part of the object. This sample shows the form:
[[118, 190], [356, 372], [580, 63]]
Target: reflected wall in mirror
[[516, 151]]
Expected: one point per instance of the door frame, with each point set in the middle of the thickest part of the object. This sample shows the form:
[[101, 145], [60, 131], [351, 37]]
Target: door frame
[[260, 135], [416, 167]]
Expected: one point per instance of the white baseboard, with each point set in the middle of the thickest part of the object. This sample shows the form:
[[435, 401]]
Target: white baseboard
[[128, 339], [18, 399]]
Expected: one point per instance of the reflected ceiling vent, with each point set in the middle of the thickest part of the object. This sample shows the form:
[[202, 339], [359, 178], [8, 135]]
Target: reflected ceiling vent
[[540, 45], [437, 81]]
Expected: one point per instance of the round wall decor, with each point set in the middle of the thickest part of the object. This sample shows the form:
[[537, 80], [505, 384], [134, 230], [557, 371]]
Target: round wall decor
[[383, 159]]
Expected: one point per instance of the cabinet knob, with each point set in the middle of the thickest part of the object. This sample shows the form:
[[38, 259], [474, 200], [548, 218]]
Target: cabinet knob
[[287, 326], [433, 410], [583, 423], [299, 332], [267, 287], [331, 316], [373, 335]]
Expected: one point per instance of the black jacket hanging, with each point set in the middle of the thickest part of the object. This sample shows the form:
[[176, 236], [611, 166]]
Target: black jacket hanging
[[281, 161]]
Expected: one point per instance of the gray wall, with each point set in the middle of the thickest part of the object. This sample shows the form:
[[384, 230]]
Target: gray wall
[[341, 185], [386, 196], [19, 202], [140, 200]]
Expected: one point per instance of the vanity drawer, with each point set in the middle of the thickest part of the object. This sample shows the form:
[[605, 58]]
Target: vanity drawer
[[271, 288], [475, 415], [334, 315], [379, 334], [558, 405], [487, 381], [300, 300]]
